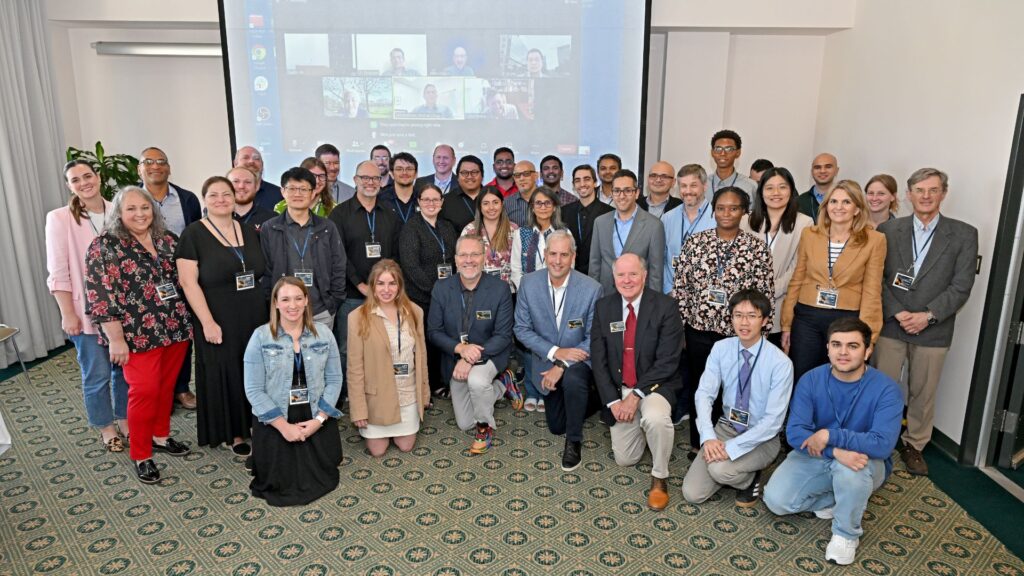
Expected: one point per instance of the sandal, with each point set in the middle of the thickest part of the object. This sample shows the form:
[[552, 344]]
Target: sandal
[[443, 392], [114, 444]]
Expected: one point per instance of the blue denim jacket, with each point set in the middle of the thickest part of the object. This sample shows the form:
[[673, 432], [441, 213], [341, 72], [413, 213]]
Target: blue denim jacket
[[269, 365]]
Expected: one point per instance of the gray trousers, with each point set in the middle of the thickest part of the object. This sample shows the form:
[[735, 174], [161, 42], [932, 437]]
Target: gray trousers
[[703, 480], [473, 398]]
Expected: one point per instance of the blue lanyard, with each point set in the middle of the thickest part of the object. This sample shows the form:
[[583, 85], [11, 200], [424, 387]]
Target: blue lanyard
[[622, 244], [444, 258], [696, 221], [739, 363], [841, 422], [236, 249], [305, 245], [298, 361], [917, 254], [403, 215], [371, 223], [831, 262]]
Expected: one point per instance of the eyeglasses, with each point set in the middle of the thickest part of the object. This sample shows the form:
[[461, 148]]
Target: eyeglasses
[[724, 149], [470, 173], [157, 162], [504, 162], [623, 191], [524, 173], [543, 203], [369, 179], [320, 176], [297, 190], [750, 317], [659, 177]]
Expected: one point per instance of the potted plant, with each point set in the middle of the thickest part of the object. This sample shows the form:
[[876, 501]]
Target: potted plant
[[115, 170]]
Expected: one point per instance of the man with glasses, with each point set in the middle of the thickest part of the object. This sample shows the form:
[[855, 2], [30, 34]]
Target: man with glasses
[[470, 321], [443, 176], [369, 233], [331, 157], [402, 197], [551, 173], [755, 379], [659, 199], [301, 244], [580, 216], [504, 162], [460, 206], [268, 194], [246, 211], [824, 170], [517, 205], [627, 230], [726, 147]]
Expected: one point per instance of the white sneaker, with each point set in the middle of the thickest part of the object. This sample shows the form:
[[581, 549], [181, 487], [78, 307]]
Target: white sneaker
[[840, 550], [530, 405], [540, 405], [824, 513]]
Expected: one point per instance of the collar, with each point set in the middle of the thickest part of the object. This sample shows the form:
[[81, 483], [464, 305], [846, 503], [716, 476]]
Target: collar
[[653, 205], [288, 219], [636, 304], [818, 194], [564, 285], [631, 216], [920, 227], [753, 347]]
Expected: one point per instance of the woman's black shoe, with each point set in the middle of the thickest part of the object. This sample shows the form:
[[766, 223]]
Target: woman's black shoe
[[172, 447], [147, 472], [241, 449]]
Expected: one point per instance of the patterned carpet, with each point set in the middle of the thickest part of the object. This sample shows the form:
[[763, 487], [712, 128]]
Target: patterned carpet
[[69, 507]]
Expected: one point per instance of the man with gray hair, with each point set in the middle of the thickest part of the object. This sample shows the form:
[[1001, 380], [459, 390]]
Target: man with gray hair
[[929, 273], [692, 216], [553, 322]]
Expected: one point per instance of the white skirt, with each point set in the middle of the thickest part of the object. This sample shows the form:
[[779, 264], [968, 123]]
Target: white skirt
[[410, 424]]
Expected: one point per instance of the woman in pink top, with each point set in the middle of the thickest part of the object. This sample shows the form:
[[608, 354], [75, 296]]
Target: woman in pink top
[[69, 231]]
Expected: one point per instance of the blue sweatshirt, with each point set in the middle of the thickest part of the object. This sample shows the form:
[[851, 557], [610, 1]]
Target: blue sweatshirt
[[861, 416]]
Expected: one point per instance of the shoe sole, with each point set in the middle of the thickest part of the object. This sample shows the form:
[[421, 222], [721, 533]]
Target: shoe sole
[[564, 469], [175, 454], [748, 504], [476, 451], [838, 563]]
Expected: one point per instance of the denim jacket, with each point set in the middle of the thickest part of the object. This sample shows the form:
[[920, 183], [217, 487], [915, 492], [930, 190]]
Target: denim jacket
[[269, 365]]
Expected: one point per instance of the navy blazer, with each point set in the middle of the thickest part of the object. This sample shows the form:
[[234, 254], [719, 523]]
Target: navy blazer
[[268, 196], [444, 322], [535, 317], [190, 208], [659, 345]]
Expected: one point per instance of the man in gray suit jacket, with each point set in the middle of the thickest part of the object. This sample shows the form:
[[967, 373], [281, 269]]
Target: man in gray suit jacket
[[553, 315], [627, 229], [929, 273]]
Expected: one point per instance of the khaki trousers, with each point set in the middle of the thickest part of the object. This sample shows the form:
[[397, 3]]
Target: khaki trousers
[[924, 369], [703, 480], [651, 427]]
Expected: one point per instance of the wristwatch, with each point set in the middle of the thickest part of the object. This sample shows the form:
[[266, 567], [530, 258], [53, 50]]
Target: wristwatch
[[932, 320], [561, 364], [321, 418]]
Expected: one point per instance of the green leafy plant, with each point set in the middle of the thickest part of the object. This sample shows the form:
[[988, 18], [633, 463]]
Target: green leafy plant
[[114, 170]]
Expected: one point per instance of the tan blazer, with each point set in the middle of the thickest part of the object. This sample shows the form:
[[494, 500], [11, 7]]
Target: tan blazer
[[857, 277], [372, 391]]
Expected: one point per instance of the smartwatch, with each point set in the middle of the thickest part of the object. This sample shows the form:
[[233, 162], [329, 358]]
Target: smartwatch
[[561, 364]]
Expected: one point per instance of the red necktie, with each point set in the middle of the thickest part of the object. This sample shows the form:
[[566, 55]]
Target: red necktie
[[628, 344]]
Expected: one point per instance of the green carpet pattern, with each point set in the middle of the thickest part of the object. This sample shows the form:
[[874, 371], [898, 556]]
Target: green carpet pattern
[[69, 507]]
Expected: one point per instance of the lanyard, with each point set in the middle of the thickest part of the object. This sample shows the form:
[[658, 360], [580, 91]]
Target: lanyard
[[739, 380], [97, 232], [579, 224], [467, 319], [622, 244], [718, 257], [239, 253], [305, 245], [558, 308], [815, 204], [298, 362], [469, 206], [831, 262], [770, 240], [403, 215], [543, 236], [841, 422], [444, 258], [917, 254], [446, 187], [696, 221], [371, 223], [244, 220]]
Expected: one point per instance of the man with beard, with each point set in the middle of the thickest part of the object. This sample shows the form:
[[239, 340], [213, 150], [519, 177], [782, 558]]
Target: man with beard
[[246, 211]]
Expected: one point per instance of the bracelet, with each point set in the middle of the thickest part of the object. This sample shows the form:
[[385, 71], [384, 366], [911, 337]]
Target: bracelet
[[320, 419]]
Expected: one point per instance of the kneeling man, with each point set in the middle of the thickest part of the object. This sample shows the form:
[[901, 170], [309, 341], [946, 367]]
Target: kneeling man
[[553, 317], [636, 342], [756, 379], [843, 425]]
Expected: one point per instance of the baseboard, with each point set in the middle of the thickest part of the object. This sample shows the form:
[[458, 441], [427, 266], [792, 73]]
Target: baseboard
[[946, 445]]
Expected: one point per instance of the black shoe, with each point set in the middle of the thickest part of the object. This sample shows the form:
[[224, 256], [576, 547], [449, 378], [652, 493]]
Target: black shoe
[[172, 447], [691, 454], [248, 464], [751, 494], [147, 472], [241, 449], [571, 456]]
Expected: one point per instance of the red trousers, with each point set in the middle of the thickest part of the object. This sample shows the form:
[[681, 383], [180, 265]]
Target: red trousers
[[151, 376]]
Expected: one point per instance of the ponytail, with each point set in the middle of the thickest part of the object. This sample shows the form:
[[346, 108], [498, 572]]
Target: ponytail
[[77, 208]]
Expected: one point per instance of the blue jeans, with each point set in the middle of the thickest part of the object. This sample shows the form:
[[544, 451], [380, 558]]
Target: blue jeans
[[803, 483], [103, 386], [531, 386], [341, 336]]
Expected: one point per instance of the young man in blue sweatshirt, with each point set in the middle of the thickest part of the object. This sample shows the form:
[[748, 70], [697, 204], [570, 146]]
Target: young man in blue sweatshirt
[[844, 421]]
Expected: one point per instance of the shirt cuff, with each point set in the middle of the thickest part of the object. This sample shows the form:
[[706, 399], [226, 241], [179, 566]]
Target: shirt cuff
[[551, 353]]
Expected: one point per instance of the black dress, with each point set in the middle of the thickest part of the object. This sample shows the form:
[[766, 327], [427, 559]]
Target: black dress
[[223, 412], [295, 473]]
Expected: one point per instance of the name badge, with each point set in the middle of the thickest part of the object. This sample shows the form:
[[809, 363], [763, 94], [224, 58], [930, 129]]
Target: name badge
[[740, 417], [574, 324], [401, 368], [464, 338], [372, 250], [492, 271], [298, 396], [483, 314], [245, 281], [306, 276], [167, 291], [827, 298], [717, 297], [903, 281], [444, 271], [617, 327]]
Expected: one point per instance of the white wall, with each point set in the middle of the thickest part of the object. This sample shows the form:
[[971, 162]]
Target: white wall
[[930, 83]]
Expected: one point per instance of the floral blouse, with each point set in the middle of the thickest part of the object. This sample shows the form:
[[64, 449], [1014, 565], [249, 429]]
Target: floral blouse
[[121, 284], [745, 263], [496, 263]]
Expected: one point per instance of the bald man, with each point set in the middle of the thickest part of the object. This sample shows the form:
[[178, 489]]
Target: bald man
[[659, 197], [823, 170], [267, 194], [444, 163], [517, 204]]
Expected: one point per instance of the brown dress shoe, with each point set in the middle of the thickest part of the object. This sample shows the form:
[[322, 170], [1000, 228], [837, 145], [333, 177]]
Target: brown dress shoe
[[187, 400], [657, 498], [914, 461]]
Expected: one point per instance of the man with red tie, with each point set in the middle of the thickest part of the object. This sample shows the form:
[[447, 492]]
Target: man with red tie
[[636, 342]]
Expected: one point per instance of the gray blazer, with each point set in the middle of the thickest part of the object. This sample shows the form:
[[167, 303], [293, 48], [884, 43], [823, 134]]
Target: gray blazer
[[646, 239], [943, 282]]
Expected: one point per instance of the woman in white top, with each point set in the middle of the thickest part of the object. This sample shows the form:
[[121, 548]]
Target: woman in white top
[[528, 245]]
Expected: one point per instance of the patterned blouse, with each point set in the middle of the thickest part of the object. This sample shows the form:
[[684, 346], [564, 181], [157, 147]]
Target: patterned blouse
[[496, 263], [745, 263], [121, 284]]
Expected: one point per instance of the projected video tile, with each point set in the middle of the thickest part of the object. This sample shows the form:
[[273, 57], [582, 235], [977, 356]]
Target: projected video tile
[[390, 54], [429, 98], [535, 56], [499, 99], [357, 97], [306, 53]]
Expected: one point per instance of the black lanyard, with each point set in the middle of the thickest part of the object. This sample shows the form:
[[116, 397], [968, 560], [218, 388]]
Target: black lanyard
[[469, 206], [97, 232], [444, 257], [467, 318], [558, 308], [719, 265], [404, 215], [771, 242], [371, 223], [579, 224], [750, 377], [238, 251]]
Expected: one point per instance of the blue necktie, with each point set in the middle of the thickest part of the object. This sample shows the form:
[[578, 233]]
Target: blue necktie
[[743, 391]]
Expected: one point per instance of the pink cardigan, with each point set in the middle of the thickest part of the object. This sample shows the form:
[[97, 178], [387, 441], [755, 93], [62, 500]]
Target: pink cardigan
[[66, 244]]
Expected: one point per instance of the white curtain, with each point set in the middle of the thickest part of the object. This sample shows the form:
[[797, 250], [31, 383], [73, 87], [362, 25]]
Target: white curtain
[[30, 181]]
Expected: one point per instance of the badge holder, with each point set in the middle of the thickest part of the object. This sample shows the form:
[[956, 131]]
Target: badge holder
[[401, 369], [373, 250], [167, 291], [245, 281], [483, 314], [492, 271], [737, 416], [306, 276], [903, 281], [827, 298], [717, 297], [616, 327], [298, 396], [444, 271], [464, 338], [575, 324]]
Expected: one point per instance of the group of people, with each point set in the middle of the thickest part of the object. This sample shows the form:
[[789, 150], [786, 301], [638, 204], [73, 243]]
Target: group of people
[[740, 305]]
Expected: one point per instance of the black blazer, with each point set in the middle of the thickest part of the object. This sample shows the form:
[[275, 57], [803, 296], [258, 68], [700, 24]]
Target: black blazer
[[444, 321], [807, 204], [429, 179], [659, 346]]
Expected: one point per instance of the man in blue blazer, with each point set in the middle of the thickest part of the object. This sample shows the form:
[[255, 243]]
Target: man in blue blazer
[[470, 321], [554, 312]]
